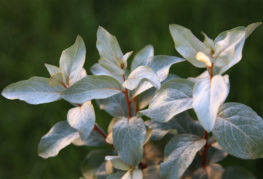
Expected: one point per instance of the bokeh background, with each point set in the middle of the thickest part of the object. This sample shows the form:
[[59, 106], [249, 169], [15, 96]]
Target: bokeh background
[[33, 32]]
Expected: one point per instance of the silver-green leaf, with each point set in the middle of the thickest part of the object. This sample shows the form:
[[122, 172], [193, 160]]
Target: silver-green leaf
[[208, 95], [141, 57], [140, 74], [52, 70], [92, 87], [187, 44], [108, 45], [179, 154], [35, 90], [82, 118], [58, 137], [72, 60], [97, 69], [239, 130], [129, 136], [160, 65], [115, 105], [174, 97], [117, 163]]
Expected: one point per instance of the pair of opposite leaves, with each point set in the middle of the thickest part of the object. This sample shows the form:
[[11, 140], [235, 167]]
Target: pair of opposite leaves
[[203, 94]]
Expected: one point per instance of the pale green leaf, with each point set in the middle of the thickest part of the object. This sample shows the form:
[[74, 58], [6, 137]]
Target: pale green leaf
[[115, 105], [140, 74], [58, 137], [239, 130], [228, 48], [92, 87], [251, 27], [187, 44], [72, 60], [129, 136], [208, 95], [179, 154], [141, 57], [117, 163], [97, 69], [56, 79], [114, 67], [82, 118], [94, 139], [35, 90], [182, 123], [79, 76], [108, 45], [52, 70], [125, 58], [160, 65], [174, 97], [208, 42]]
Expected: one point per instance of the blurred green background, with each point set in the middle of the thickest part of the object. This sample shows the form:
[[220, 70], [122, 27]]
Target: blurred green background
[[33, 32]]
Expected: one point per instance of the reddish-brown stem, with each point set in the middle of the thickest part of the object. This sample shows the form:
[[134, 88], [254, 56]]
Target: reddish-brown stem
[[96, 128], [135, 105], [127, 99], [204, 153]]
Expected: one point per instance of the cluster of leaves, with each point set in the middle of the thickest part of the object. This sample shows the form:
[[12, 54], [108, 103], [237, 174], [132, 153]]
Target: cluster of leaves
[[151, 134]]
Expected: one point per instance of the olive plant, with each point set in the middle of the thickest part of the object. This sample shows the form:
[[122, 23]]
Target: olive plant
[[162, 126]]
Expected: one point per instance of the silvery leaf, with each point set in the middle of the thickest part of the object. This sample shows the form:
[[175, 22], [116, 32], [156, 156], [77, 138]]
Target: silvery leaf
[[229, 49], [182, 123], [52, 70], [141, 57], [117, 163], [72, 60], [160, 65], [115, 105], [35, 90], [208, 95], [128, 139], [92, 87], [82, 118], [58, 137], [251, 27], [95, 139], [187, 44], [140, 74], [108, 45], [97, 69], [174, 97], [114, 67], [56, 80], [179, 154], [208, 42], [238, 130]]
